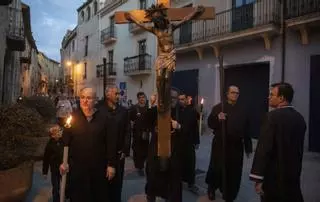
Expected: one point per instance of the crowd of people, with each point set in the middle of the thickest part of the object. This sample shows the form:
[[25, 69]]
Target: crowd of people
[[102, 134]]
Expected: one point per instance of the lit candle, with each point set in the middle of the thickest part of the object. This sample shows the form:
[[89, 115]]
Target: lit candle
[[201, 114], [65, 163]]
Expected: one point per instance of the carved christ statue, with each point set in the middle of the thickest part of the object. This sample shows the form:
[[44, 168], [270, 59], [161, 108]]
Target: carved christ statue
[[165, 63]]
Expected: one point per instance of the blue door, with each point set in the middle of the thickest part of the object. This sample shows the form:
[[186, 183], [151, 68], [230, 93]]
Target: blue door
[[187, 81]]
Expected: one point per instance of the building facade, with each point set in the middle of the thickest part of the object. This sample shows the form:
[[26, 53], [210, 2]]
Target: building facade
[[69, 60], [29, 61], [51, 75], [248, 36], [129, 50], [15, 19]]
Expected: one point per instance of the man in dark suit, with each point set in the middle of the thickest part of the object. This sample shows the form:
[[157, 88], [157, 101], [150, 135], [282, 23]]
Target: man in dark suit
[[277, 163]]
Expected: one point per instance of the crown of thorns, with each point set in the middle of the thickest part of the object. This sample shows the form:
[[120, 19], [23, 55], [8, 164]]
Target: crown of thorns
[[156, 8]]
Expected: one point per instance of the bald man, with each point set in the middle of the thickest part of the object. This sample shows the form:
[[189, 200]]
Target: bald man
[[237, 140], [92, 150]]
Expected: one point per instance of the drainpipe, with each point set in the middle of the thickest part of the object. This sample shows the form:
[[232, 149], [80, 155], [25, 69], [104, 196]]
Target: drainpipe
[[283, 38]]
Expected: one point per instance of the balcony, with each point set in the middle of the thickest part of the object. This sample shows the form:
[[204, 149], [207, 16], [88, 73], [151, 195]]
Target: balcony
[[15, 34], [303, 16], [5, 2], [135, 29], [111, 70], [108, 35], [137, 65]]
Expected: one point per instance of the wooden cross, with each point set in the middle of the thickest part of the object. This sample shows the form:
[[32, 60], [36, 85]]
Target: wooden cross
[[165, 63]]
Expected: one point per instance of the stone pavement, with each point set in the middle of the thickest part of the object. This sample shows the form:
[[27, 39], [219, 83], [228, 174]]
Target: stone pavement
[[133, 190]]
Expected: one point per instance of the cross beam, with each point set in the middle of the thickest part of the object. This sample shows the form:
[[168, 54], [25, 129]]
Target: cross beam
[[172, 14]]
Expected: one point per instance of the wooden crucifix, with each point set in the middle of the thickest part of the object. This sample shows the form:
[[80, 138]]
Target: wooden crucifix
[[165, 21]]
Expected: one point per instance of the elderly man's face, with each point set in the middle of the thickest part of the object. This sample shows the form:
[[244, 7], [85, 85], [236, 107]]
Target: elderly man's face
[[113, 95], [87, 99]]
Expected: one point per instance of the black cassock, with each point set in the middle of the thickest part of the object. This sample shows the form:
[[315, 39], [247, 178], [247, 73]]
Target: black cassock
[[91, 149], [237, 139], [140, 138], [278, 158], [120, 114], [166, 184], [190, 138]]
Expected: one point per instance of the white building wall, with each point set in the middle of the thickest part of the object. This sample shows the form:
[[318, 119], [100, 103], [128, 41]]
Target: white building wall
[[127, 46]]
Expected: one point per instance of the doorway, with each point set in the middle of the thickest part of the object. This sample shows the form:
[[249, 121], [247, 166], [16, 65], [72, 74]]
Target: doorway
[[253, 81], [314, 109]]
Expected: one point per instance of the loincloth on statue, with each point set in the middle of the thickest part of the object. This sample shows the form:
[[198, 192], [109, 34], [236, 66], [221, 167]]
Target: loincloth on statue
[[166, 61]]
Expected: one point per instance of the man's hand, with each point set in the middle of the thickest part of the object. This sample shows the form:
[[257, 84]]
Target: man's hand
[[64, 169], [110, 172], [222, 116], [258, 187], [175, 124], [128, 16]]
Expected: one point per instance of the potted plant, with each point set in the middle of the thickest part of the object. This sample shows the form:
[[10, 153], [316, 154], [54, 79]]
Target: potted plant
[[16, 164]]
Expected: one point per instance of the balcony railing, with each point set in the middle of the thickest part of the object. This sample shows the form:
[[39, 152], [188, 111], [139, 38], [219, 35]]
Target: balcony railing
[[137, 64], [108, 35], [236, 19], [15, 34], [297, 8], [111, 70], [5, 2]]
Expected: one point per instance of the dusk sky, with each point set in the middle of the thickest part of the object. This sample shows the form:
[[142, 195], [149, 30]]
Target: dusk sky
[[50, 20]]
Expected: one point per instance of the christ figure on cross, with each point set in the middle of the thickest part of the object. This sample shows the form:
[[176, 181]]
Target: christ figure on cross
[[165, 63]]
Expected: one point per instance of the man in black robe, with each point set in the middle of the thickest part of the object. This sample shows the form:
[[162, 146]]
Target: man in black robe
[[120, 114], [277, 162], [92, 150], [165, 184], [237, 139], [191, 141], [140, 134]]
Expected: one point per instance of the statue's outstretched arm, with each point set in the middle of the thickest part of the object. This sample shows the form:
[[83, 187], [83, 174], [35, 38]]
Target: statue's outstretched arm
[[196, 13], [131, 18]]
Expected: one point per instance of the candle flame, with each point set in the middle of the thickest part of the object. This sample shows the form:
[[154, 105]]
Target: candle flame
[[202, 100], [69, 119]]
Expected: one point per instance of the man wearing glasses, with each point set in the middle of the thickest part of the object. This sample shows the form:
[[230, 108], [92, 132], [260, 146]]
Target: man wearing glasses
[[237, 141]]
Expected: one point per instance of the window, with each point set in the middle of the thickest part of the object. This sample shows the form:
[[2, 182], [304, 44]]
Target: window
[[88, 12], [82, 16], [85, 71], [112, 26], [95, 7], [110, 56], [86, 46], [142, 45], [143, 4]]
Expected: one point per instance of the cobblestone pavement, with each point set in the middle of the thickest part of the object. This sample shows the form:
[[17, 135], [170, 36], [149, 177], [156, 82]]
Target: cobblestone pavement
[[133, 190]]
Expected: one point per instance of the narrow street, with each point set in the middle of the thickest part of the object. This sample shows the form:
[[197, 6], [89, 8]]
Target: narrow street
[[133, 190]]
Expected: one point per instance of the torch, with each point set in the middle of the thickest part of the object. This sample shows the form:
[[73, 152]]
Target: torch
[[65, 163], [201, 115]]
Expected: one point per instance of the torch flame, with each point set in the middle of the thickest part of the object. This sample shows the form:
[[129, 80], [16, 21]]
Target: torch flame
[[202, 100], [69, 119]]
